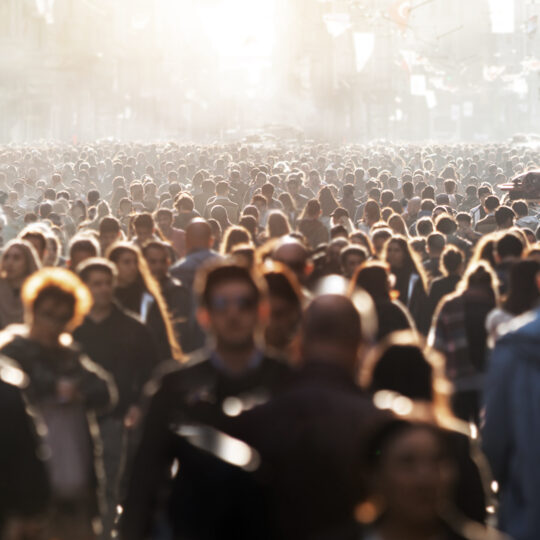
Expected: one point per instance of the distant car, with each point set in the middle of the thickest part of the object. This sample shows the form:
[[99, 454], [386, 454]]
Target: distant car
[[524, 186]]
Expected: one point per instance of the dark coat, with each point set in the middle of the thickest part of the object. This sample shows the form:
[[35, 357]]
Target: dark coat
[[202, 489]]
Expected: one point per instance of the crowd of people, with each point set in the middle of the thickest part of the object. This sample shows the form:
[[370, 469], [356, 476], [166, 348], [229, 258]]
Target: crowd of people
[[295, 341]]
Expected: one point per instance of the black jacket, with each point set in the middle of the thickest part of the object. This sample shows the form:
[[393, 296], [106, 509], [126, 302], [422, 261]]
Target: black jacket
[[310, 439], [200, 503], [24, 485], [124, 347]]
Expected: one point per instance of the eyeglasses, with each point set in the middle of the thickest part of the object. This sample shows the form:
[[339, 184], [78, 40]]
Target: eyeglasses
[[221, 304]]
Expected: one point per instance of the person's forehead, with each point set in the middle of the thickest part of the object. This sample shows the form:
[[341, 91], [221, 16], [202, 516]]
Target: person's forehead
[[231, 287]]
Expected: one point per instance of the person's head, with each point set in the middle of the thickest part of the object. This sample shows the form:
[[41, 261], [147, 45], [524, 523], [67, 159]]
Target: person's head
[[127, 259], [523, 293], [234, 235], [398, 254], [285, 298], [452, 261], [99, 275], [379, 238], [144, 227], [294, 255], [184, 204], [164, 219], [81, 248], [397, 224], [199, 235], [277, 225], [481, 278], [400, 364], [464, 222], [19, 260], [508, 246], [331, 332], [312, 209], [491, 203], [374, 278], [55, 301], [521, 209], [372, 212], [413, 472], [38, 240], [109, 232], [446, 224], [351, 257], [158, 257], [504, 217], [231, 304], [424, 226], [435, 244]]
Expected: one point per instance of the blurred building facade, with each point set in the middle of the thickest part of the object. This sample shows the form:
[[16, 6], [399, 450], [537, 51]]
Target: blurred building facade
[[340, 70]]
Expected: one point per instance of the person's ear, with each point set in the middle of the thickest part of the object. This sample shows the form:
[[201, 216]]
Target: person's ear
[[203, 318]]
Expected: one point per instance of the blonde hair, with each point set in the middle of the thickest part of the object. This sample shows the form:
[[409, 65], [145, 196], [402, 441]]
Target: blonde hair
[[61, 284]]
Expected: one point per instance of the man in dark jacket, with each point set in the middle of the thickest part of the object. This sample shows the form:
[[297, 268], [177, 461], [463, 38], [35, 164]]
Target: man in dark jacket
[[236, 372], [124, 346], [177, 297], [310, 437], [24, 486]]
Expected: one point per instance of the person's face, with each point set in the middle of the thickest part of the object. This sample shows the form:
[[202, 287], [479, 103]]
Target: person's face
[[143, 234], [50, 319], [394, 255], [233, 313], [283, 323], [14, 264], [106, 239], [101, 286], [352, 262], [127, 268], [415, 477], [163, 222], [158, 262], [463, 226]]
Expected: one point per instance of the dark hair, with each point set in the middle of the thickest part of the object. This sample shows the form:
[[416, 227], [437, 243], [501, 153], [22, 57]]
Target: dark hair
[[83, 244], [234, 235], [436, 242], [143, 221], [451, 260], [353, 250], [521, 208], [491, 203], [503, 214], [95, 264], [372, 276], [312, 209], [523, 293], [109, 224], [446, 224], [277, 224], [509, 245], [424, 226], [403, 368], [225, 272], [327, 201]]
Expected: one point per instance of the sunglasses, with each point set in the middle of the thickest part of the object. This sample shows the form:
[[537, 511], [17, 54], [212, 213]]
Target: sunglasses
[[221, 304]]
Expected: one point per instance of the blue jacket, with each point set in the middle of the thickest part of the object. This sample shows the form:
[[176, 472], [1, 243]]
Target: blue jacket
[[511, 434]]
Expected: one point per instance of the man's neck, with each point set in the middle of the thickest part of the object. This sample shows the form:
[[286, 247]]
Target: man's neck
[[236, 358], [98, 314]]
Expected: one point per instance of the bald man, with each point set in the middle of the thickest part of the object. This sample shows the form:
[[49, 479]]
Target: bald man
[[311, 436], [199, 241]]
